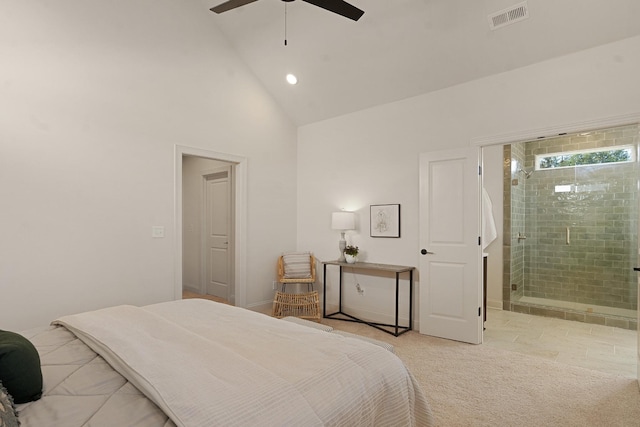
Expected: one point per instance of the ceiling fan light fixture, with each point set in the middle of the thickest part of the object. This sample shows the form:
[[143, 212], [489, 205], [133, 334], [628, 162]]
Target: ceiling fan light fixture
[[291, 79]]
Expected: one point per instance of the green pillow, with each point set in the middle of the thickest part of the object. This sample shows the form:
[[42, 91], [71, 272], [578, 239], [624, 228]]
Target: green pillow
[[20, 371]]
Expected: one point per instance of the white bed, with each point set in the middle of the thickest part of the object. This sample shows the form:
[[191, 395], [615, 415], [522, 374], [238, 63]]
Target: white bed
[[200, 363]]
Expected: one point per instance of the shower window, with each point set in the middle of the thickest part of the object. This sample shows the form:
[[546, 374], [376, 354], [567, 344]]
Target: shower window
[[619, 154]]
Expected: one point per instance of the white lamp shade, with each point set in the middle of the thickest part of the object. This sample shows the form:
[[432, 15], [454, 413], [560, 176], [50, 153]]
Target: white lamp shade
[[343, 220]]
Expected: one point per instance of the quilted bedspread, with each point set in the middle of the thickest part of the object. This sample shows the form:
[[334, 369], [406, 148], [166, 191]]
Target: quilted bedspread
[[81, 389], [200, 363]]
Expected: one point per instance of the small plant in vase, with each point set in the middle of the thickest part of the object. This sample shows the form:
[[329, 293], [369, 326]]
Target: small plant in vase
[[351, 253]]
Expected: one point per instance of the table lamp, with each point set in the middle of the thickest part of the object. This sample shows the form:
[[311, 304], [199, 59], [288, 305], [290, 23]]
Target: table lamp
[[343, 221]]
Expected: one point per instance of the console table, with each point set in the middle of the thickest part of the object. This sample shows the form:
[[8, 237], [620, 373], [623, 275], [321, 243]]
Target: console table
[[371, 267]]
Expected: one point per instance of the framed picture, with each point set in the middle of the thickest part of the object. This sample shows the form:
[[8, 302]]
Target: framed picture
[[385, 221]]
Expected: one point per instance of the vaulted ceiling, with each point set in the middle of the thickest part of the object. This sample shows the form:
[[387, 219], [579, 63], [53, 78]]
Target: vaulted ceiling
[[403, 48]]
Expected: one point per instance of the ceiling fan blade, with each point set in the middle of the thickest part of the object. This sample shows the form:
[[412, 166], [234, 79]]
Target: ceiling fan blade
[[340, 7], [231, 4]]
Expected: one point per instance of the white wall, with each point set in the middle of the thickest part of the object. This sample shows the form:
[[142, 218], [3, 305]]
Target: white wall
[[93, 98], [371, 156]]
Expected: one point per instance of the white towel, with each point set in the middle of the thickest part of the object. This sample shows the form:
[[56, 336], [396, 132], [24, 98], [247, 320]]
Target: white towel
[[489, 233]]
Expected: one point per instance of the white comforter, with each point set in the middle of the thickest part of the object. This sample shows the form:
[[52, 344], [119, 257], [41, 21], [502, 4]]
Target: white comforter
[[209, 364]]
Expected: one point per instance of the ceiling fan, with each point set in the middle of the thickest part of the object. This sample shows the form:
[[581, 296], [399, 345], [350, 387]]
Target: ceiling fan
[[336, 6]]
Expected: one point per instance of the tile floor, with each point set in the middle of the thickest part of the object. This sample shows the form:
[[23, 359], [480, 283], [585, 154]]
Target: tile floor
[[602, 348]]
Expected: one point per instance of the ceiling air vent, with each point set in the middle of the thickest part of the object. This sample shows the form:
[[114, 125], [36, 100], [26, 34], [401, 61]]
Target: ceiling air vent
[[509, 16]]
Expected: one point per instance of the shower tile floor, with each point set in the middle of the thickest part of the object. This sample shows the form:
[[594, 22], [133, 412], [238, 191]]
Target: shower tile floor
[[597, 347], [588, 308]]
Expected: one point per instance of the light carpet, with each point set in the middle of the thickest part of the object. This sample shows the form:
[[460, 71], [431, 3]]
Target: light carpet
[[475, 385]]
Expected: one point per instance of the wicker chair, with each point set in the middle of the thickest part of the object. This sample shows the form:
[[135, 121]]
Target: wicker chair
[[304, 306], [284, 277], [297, 267]]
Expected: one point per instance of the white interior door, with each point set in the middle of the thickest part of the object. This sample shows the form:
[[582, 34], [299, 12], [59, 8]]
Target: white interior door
[[450, 267], [217, 218]]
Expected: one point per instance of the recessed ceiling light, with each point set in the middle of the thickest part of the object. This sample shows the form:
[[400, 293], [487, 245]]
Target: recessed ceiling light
[[291, 79]]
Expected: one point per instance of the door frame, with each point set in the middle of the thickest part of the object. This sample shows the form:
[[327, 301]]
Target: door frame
[[239, 220]]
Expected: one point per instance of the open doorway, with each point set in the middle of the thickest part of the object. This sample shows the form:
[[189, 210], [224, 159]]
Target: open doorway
[[208, 236], [210, 225], [570, 215], [563, 285]]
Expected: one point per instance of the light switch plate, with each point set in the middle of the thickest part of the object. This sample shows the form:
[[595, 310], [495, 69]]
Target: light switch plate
[[157, 231]]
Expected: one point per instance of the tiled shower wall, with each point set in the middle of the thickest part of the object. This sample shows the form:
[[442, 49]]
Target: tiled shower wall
[[601, 211], [581, 245]]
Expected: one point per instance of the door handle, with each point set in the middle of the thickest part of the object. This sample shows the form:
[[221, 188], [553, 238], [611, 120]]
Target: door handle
[[425, 252]]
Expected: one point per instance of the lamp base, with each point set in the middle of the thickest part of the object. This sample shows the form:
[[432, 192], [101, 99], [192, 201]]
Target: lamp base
[[342, 244]]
